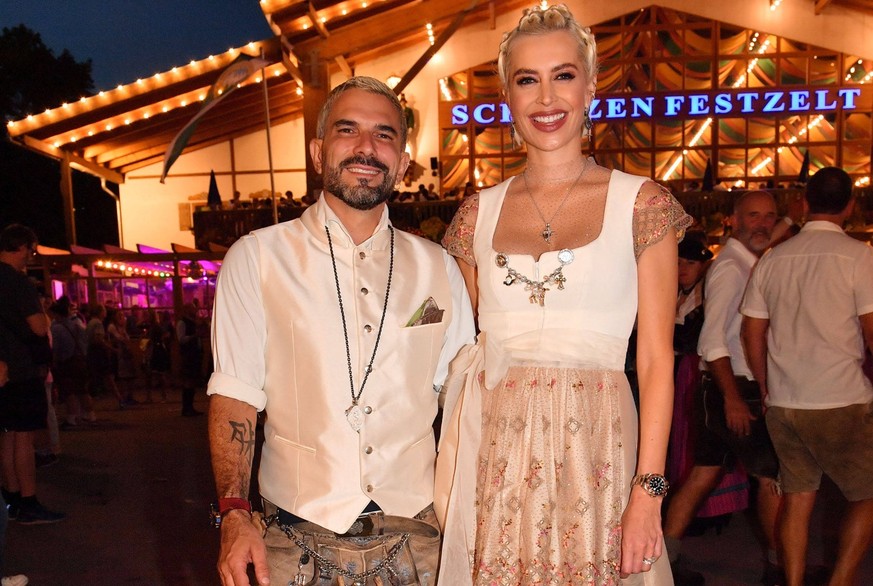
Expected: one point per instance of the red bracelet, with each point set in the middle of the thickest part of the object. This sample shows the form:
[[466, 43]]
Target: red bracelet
[[226, 505]]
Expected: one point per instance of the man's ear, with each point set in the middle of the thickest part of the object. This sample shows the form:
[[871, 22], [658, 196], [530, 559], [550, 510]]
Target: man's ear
[[402, 166], [315, 146]]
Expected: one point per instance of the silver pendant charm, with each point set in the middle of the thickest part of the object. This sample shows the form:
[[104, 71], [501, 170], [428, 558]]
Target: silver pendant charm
[[300, 578], [355, 417], [547, 233], [566, 256]]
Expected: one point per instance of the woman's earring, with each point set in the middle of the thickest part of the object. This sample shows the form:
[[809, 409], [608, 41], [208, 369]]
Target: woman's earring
[[588, 122]]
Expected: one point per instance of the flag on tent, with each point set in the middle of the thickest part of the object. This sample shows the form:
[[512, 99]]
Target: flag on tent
[[241, 68]]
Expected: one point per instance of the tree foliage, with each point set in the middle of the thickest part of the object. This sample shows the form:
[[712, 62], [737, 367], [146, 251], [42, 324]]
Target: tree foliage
[[33, 78]]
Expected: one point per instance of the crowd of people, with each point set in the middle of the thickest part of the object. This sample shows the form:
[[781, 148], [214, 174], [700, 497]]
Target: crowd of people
[[55, 358]]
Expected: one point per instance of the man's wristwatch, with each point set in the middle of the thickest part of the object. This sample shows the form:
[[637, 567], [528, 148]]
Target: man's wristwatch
[[653, 484], [218, 510]]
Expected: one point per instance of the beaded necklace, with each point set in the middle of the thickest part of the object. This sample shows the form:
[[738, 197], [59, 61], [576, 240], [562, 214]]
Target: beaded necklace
[[354, 414]]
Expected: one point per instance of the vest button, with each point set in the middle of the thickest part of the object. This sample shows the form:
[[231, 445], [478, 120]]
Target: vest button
[[368, 409], [369, 488], [368, 328], [368, 450], [364, 290]]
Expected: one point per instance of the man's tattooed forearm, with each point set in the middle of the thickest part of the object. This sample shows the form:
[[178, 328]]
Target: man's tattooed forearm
[[244, 434]]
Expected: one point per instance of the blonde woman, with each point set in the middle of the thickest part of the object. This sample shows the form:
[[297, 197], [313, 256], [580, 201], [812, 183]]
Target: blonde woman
[[559, 262]]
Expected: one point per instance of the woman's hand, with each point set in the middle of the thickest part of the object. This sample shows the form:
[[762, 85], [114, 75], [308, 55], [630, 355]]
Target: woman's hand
[[642, 539]]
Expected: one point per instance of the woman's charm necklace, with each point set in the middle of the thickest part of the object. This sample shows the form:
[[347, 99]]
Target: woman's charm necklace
[[537, 288], [354, 413], [547, 232]]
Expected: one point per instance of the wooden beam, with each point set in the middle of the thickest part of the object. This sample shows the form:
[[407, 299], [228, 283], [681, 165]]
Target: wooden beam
[[246, 121], [227, 119], [344, 65], [432, 50], [84, 115], [59, 154], [67, 197], [368, 33], [319, 26], [290, 60], [315, 91], [820, 5]]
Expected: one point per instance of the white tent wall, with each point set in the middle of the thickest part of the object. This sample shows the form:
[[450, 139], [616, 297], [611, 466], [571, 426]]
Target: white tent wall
[[151, 211]]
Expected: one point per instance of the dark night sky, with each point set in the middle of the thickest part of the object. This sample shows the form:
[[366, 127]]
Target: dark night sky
[[127, 39]]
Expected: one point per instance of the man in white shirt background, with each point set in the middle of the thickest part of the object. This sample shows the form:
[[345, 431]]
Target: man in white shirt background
[[734, 428], [808, 318]]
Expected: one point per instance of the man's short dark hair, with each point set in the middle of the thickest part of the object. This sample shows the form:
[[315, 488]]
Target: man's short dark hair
[[367, 84], [14, 236], [829, 191]]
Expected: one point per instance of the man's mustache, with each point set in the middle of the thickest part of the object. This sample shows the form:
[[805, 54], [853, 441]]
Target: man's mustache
[[364, 160]]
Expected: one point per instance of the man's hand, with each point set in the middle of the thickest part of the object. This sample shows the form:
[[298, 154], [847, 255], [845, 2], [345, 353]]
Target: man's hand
[[737, 415], [241, 545]]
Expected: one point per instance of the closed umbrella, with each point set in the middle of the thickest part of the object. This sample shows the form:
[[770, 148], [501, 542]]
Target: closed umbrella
[[213, 200], [803, 176], [708, 179]]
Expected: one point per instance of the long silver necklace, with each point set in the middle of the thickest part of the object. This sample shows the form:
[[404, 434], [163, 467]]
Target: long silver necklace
[[547, 232], [537, 288], [354, 414]]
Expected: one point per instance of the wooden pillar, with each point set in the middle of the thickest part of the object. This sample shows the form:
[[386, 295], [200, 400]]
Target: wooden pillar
[[67, 196], [178, 294], [316, 86], [92, 282]]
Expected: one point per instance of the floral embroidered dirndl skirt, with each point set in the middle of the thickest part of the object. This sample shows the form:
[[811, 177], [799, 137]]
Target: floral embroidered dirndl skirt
[[555, 463]]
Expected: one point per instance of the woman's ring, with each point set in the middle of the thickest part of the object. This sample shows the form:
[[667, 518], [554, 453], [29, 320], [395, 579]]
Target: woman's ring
[[650, 561]]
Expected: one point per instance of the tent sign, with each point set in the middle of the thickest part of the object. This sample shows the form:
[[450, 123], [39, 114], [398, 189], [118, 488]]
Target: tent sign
[[687, 105]]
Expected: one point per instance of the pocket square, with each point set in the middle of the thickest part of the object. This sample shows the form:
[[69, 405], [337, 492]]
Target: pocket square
[[427, 313]]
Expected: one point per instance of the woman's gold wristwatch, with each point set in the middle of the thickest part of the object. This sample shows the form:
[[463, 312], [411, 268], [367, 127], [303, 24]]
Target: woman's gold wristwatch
[[653, 484]]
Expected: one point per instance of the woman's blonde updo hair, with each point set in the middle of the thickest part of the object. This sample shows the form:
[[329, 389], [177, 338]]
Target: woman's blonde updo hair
[[537, 21]]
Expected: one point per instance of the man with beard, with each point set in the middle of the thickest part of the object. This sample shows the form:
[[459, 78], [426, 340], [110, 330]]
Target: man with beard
[[339, 328], [733, 427]]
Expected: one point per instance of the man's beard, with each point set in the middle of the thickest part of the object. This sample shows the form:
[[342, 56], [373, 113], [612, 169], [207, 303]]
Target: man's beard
[[360, 196], [758, 240]]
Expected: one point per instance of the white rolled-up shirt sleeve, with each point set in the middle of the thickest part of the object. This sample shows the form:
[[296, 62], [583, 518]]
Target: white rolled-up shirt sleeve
[[724, 290], [239, 327], [462, 329], [754, 304]]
